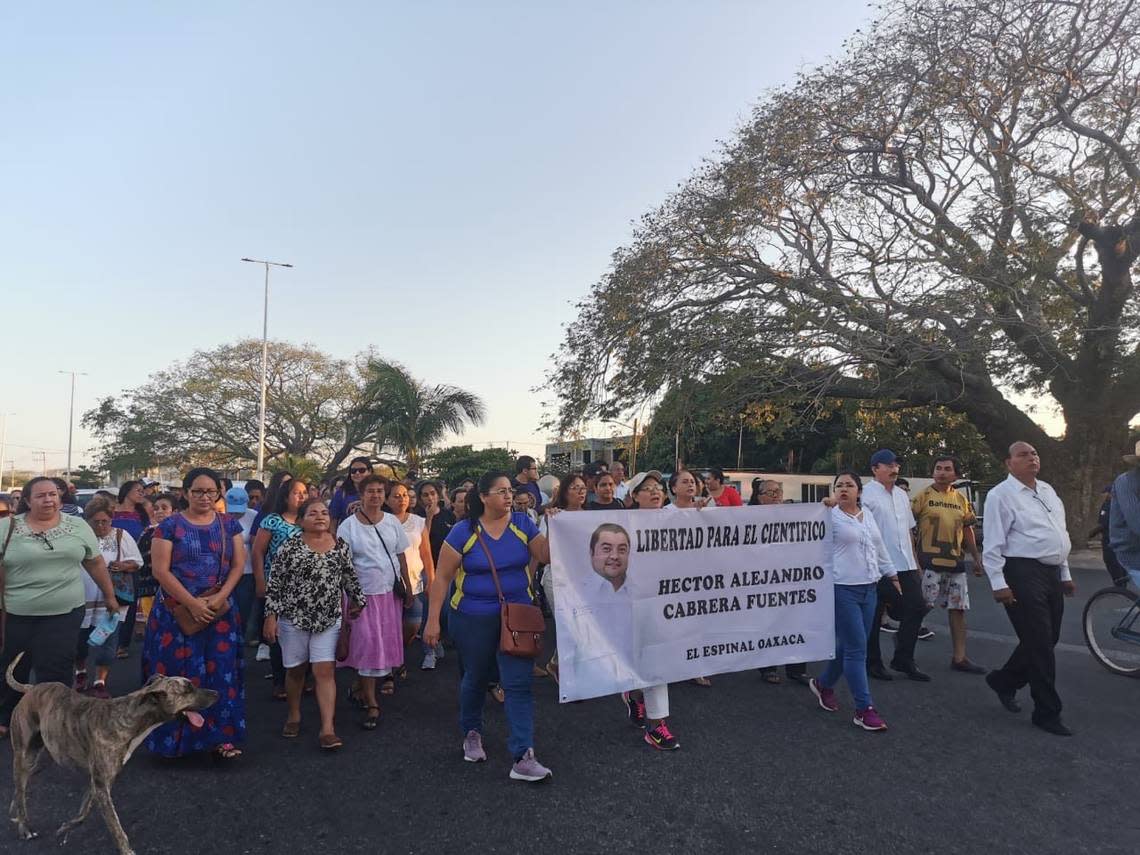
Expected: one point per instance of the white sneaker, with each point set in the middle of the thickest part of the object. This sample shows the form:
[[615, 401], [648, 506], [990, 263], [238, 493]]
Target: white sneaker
[[262, 653], [527, 768], [429, 661]]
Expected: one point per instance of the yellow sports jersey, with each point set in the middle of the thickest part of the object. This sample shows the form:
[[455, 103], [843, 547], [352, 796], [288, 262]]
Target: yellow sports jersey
[[942, 518]]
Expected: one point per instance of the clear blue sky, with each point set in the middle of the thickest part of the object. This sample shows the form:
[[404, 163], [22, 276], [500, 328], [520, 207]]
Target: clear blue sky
[[448, 178]]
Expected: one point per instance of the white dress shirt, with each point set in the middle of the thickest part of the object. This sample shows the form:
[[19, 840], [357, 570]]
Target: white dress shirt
[[1021, 522], [860, 556], [600, 646], [891, 509]]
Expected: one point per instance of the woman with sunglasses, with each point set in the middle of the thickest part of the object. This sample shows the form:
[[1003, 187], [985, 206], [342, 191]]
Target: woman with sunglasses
[[652, 703], [45, 553], [198, 558], [346, 498]]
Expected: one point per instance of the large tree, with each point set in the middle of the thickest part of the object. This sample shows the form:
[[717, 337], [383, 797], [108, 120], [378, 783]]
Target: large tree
[[205, 410], [457, 462], [946, 215]]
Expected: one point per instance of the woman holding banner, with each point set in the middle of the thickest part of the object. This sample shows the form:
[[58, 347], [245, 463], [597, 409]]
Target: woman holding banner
[[683, 487], [651, 703], [860, 560], [491, 540]]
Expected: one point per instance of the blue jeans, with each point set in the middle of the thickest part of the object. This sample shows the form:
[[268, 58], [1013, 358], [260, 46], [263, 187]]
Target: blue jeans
[[854, 614], [477, 640], [243, 599]]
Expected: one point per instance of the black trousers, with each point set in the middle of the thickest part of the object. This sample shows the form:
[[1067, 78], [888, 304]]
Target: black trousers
[[48, 644], [1036, 618], [909, 608]]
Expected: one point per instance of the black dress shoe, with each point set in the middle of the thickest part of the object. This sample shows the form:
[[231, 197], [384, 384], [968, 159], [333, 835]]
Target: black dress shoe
[[1007, 699], [1054, 726], [878, 672], [912, 672]]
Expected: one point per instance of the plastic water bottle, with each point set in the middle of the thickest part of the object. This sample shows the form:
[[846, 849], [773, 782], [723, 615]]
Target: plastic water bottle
[[105, 628]]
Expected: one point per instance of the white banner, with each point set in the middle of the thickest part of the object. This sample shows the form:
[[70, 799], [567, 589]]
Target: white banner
[[649, 597]]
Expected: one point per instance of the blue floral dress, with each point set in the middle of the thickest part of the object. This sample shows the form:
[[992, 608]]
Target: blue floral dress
[[212, 658]]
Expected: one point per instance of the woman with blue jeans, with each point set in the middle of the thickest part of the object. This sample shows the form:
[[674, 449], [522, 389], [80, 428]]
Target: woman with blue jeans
[[860, 560], [491, 532]]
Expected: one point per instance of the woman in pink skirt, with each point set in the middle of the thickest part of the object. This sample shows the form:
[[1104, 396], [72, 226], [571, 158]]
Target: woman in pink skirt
[[376, 643]]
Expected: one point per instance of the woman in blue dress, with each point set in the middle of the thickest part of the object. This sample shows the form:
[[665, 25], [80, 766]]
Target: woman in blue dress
[[192, 553]]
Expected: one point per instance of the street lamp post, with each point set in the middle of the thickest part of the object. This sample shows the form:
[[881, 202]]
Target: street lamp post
[[70, 418], [264, 363], [3, 442]]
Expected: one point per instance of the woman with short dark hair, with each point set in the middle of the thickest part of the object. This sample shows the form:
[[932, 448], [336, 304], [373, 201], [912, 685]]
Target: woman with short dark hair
[[45, 553], [198, 558], [303, 613]]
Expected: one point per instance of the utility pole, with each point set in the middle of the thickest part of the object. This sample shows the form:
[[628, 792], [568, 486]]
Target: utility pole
[[633, 453], [43, 462], [264, 363], [12, 467], [740, 444], [70, 419]]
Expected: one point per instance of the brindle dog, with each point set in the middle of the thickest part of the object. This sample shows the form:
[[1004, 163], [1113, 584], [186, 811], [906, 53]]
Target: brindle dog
[[95, 735]]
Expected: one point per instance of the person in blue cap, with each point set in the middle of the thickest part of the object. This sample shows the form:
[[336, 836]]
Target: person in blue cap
[[237, 508], [889, 504]]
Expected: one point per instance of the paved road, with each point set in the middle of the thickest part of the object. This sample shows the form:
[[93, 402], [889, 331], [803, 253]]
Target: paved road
[[761, 769]]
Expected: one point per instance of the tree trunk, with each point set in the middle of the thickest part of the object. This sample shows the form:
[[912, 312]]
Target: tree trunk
[[1088, 460]]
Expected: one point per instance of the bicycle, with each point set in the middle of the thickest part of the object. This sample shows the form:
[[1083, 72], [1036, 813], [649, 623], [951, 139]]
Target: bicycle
[[1111, 623]]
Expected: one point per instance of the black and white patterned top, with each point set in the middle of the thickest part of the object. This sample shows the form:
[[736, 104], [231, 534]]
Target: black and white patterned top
[[305, 586]]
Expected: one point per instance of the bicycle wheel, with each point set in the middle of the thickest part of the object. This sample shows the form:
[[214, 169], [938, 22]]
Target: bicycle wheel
[[1112, 630]]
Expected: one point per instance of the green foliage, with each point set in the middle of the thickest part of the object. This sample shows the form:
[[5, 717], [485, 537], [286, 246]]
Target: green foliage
[[457, 462], [205, 410], [304, 468], [85, 477]]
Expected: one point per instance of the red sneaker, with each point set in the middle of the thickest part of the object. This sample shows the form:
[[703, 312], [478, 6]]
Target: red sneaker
[[868, 719]]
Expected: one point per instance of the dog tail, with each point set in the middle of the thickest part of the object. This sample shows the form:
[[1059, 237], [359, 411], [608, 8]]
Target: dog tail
[[11, 675]]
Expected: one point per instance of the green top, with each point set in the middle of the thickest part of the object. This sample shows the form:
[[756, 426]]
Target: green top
[[44, 574]]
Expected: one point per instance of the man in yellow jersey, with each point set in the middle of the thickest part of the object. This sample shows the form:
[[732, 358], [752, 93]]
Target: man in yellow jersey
[[946, 523]]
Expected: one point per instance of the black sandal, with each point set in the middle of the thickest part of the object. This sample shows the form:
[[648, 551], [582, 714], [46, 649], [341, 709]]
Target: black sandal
[[370, 721]]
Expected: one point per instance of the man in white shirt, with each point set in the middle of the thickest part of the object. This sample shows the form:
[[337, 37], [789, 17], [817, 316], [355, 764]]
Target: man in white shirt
[[889, 504], [1026, 556], [621, 489], [601, 646]]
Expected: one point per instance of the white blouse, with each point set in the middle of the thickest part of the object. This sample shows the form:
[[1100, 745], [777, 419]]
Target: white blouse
[[375, 551], [414, 529], [860, 555]]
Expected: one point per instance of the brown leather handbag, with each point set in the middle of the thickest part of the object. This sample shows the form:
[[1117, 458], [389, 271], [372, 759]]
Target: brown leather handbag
[[186, 622], [522, 625]]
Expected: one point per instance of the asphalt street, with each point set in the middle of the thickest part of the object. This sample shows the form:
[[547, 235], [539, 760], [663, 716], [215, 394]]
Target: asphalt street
[[761, 768]]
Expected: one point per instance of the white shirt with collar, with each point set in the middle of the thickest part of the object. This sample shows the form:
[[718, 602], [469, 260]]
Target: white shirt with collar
[[893, 516], [621, 491], [600, 646], [1022, 522], [860, 556]]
